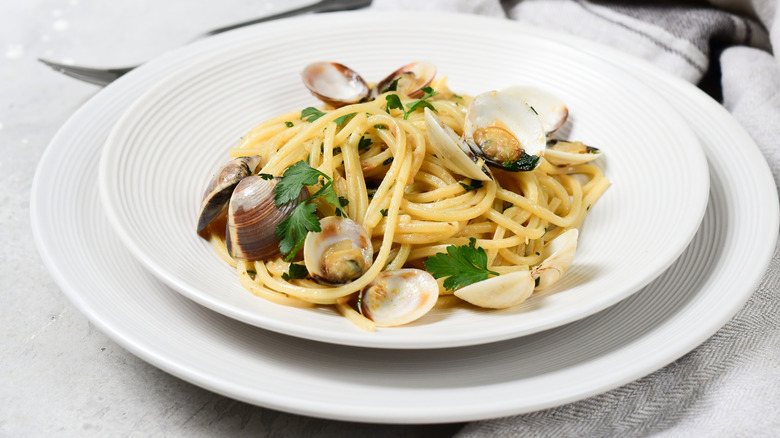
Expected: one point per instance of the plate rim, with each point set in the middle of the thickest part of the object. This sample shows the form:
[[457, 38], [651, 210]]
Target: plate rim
[[347, 337], [186, 371]]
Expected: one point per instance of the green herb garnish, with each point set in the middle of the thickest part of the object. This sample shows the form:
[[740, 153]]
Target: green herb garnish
[[473, 186], [296, 272], [311, 114], [461, 265]]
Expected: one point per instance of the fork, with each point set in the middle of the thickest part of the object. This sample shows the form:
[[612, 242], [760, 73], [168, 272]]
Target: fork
[[104, 76]]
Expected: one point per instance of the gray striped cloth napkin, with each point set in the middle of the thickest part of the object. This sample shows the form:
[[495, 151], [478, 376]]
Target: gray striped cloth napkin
[[730, 385]]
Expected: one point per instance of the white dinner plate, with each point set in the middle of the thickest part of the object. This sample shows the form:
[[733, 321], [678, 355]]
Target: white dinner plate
[[669, 317], [163, 151]]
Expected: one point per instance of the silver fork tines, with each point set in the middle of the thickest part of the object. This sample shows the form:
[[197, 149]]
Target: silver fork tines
[[104, 76]]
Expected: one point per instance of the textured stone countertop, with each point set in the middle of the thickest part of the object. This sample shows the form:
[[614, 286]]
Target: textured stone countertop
[[59, 374]]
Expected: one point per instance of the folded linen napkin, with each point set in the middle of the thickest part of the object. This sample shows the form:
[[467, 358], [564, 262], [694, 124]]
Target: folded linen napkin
[[730, 385]]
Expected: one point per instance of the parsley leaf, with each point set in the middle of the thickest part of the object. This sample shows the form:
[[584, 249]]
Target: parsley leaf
[[473, 186], [364, 143], [383, 211], [294, 179], [311, 114], [289, 124], [340, 120], [462, 265], [422, 103], [525, 163], [292, 231], [296, 272], [394, 102]]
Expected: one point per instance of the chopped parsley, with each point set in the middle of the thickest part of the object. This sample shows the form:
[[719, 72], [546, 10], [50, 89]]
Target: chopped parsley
[[393, 86], [473, 186], [289, 124], [387, 161], [340, 120], [525, 163], [393, 102], [293, 230], [364, 143], [265, 176], [383, 211], [421, 103], [533, 109], [311, 114], [296, 272], [461, 265]]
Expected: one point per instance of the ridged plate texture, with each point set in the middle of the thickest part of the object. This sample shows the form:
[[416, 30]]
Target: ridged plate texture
[[161, 154], [666, 319]]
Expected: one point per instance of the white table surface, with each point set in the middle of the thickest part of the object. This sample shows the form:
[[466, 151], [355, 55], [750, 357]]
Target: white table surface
[[58, 374]]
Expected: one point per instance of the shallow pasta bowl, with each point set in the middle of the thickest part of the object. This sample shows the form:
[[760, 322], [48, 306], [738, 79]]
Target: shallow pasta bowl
[[167, 145]]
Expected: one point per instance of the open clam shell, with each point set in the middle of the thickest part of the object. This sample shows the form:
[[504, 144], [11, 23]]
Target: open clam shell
[[253, 217], [551, 110], [334, 83], [446, 144], [411, 79], [558, 255], [220, 188], [399, 297], [340, 252], [499, 292], [501, 128]]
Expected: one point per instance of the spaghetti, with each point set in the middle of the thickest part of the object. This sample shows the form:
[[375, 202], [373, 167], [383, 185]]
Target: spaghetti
[[411, 204]]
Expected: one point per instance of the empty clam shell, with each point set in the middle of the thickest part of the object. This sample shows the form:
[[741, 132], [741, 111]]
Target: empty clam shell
[[558, 255], [399, 297], [499, 292], [253, 218], [334, 83], [446, 144], [340, 252], [221, 186], [412, 78]]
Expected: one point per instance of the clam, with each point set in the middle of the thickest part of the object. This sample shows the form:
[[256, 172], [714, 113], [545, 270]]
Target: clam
[[253, 217], [558, 255], [340, 252], [501, 128], [565, 153], [551, 110], [221, 186], [451, 149], [499, 292], [399, 297], [334, 83], [411, 79], [508, 290]]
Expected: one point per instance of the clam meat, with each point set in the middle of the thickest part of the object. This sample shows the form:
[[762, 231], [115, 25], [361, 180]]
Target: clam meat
[[505, 131], [399, 297], [339, 253], [253, 217]]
